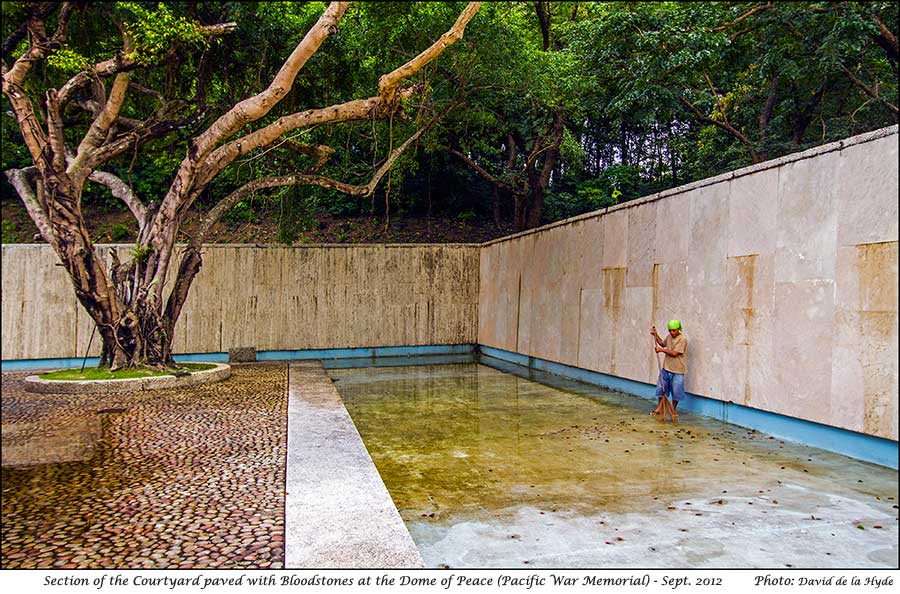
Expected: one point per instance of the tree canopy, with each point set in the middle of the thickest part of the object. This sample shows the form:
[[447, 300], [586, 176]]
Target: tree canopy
[[650, 95]]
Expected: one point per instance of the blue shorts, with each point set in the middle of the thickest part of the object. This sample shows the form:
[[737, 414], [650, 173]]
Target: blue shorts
[[670, 384]]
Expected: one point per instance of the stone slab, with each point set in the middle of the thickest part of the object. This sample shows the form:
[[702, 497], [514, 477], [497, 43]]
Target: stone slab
[[709, 227], [752, 214], [807, 220], [338, 513], [868, 171]]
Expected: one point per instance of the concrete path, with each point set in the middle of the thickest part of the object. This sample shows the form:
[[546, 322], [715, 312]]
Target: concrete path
[[338, 512]]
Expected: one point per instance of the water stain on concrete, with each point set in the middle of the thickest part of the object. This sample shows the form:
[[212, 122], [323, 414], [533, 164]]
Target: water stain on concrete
[[747, 275], [876, 266], [613, 287], [492, 469]]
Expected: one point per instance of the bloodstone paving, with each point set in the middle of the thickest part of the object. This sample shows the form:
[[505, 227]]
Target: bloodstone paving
[[176, 478]]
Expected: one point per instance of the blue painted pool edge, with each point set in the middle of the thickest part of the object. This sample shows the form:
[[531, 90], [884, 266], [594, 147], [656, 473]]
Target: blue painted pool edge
[[348, 353], [868, 448], [842, 441]]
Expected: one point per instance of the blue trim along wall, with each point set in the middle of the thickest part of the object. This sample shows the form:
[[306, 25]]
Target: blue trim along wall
[[850, 443], [833, 439], [349, 353]]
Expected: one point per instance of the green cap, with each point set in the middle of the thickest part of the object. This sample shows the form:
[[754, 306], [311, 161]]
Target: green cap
[[674, 325]]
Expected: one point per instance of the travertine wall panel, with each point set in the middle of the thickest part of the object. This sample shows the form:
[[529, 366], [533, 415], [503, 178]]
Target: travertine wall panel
[[862, 173], [784, 274], [673, 225], [807, 219], [643, 241], [752, 214], [273, 298], [708, 222]]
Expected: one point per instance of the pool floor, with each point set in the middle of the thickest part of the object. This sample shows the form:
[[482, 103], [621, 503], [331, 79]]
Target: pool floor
[[489, 469]]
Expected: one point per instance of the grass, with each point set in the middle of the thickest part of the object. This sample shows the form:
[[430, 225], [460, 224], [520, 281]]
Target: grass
[[95, 373]]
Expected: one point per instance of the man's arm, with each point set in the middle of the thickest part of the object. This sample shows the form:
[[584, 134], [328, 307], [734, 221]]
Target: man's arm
[[672, 352]]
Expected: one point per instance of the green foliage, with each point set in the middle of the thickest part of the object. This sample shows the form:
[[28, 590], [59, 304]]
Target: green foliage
[[119, 232], [240, 213], [297, 213], [620, 73], [620, 182], [103, 373], [9, 231], [68, 60], [155, 32], [140, 253]]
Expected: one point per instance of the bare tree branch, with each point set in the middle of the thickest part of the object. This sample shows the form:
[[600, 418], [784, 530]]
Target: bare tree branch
[[480, 170], [387, 84], [886, 39], [96, 134], [723, 125], [38, 11], [55, 129], [367, 189], [19, 180], [320, 152], [255, 107], [870, 91], [748, 14], [123, 192]]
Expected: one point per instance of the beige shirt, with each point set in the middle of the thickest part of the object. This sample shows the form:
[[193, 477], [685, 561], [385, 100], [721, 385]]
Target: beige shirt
[[679, 345]]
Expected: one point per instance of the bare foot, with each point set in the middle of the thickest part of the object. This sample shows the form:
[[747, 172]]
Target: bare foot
[[655, 411]]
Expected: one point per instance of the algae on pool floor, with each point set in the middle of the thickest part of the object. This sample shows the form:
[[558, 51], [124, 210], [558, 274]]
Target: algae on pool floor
[[490, 469]]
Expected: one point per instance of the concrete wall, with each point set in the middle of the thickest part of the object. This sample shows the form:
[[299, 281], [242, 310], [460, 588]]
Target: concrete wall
[[273, 298], [784, 275]]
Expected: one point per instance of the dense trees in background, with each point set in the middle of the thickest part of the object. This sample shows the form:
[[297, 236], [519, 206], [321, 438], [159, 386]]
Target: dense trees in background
[[76, 121], [543, 110], [559, 107]]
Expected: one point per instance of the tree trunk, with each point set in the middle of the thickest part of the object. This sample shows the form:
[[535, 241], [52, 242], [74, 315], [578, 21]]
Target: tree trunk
[[520, 201]]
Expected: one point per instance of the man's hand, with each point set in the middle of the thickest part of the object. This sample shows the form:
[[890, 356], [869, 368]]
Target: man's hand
[[653, 332], [659, 349]]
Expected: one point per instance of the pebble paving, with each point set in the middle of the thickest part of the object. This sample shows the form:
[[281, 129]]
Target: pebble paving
[[176, 478]]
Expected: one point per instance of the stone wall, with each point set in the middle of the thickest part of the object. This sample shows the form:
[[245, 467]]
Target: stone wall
[[784, 275], [272, 297]]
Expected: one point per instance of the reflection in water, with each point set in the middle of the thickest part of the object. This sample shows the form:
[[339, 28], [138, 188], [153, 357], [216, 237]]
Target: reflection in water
[[468, 445]]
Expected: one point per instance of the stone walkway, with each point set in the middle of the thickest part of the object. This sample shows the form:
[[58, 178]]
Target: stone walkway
[[165, 479], [338, 511]]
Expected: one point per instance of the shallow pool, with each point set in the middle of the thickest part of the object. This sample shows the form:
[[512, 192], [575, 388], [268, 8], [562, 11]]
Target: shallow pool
[[492, 469]]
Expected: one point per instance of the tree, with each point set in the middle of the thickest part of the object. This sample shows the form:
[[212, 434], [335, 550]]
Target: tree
[[134, 313], [738, 82], [519, 99]]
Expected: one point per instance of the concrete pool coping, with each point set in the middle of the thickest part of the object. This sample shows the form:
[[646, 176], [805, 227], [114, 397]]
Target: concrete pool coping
[[338, 512]]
